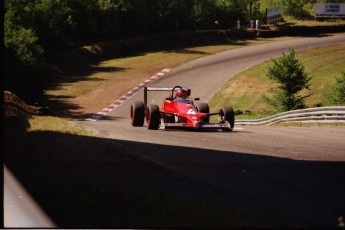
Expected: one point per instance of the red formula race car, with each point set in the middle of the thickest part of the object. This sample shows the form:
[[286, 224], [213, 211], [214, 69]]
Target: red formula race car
[[179, 111]]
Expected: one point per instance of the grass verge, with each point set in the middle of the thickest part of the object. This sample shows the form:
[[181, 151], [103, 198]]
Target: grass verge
[[55, 124], [245, 91], [17, 126]]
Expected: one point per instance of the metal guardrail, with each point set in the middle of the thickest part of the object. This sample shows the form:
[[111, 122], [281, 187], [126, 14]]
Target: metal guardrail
[[14, 106], [319, 114]]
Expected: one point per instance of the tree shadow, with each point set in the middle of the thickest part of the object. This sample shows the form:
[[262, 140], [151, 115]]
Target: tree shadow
[[59, 106], [186, 51], [303, 31], [93, 182]]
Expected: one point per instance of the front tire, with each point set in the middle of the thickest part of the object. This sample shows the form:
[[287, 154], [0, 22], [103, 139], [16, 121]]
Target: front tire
[[137, 113], [152, 117], [227, 114], [204, 108]]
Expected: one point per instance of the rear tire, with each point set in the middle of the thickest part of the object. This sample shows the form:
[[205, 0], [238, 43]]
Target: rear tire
[[204, 108], [152, 117], [137, 113], [227, 114]]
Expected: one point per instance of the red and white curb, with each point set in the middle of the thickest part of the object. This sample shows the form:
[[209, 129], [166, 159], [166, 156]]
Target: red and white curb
[[128, 95]]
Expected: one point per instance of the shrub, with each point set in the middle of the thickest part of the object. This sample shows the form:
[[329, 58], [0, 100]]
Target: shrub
[[291, 78], [337, 96]]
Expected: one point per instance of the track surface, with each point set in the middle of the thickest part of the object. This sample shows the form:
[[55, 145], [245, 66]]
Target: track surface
[[277, 174], [207, 75]]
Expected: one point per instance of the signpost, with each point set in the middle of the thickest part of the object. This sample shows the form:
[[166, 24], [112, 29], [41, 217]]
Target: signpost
[[329, 10], [274, 14]]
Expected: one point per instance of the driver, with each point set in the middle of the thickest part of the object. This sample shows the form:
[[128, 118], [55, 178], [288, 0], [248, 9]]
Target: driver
[[181, 93], [182, 96]]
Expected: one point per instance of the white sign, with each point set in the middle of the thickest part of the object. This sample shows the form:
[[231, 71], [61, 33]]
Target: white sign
[[329, 10], [274, 14]]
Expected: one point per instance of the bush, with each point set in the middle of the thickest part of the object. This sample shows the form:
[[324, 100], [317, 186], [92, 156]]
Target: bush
[[337, 96], [291, 78]]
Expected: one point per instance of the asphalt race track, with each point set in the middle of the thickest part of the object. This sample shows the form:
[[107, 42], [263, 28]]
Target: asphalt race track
[[205, 76], [264, 176], [295, 175]]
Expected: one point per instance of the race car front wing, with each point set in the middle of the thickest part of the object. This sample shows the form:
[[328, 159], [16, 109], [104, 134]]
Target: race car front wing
[[225, 125]]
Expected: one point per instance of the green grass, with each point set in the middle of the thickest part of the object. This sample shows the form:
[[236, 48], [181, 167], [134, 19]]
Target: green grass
[[309, 124], [311, 23], [245, 91], [55, 124], [324, 65]]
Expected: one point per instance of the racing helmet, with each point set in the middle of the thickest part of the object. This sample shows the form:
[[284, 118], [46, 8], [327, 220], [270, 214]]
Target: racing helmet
[[182, 93]]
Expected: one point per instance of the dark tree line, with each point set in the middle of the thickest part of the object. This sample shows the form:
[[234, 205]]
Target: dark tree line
[[35, 29], [62, 23]]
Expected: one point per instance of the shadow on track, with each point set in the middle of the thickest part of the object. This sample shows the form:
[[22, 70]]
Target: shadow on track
[[89, 182]]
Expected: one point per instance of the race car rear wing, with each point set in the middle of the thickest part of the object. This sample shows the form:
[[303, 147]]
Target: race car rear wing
[[146, 89]]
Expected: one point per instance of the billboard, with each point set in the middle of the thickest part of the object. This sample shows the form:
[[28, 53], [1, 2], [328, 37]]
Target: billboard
[[329, 10], [274, 14]]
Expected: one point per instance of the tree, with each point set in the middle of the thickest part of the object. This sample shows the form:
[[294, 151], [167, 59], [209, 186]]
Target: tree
[[291, 78], [204, 14], [295, 8], [252, 6], [337, 96], [24, 56]]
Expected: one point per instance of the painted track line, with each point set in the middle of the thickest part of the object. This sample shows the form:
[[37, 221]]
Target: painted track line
[[126, 96]]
